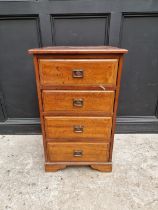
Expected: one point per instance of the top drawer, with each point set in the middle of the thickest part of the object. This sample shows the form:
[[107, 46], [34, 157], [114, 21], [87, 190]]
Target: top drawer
[[78, 71]]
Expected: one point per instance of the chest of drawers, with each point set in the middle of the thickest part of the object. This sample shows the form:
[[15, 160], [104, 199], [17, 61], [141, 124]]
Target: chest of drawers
[[78, 89]]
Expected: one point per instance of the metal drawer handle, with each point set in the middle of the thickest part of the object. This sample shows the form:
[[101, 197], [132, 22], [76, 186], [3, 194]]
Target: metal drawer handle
[[78, 128], [78, 153], [78, 102], [77, 73]]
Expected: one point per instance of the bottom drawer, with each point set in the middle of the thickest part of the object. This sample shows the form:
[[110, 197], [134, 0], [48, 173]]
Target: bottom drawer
[[77, 152]]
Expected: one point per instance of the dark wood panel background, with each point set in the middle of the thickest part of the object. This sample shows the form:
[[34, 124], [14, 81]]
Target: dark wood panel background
[[27, 24]]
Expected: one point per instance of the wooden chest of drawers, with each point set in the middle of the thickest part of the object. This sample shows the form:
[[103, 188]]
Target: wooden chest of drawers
[[78, 89]]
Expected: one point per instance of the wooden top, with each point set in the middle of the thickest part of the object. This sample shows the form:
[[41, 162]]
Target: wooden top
[[77, 50]]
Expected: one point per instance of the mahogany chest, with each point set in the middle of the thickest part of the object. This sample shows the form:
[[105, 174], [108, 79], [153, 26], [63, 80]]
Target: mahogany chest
[[78, 89]]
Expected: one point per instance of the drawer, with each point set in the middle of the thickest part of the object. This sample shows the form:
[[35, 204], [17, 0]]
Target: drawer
[[60, 72], [78, 101], [87, 152], [78, 127]]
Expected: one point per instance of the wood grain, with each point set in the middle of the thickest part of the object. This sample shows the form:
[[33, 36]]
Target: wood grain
[[93, 127], [95, 71], [116, 106], [40, 103], [78, 135], [102, 167], [53, 168], [65, 152], [93, 101], [105, 87], [77, 50]]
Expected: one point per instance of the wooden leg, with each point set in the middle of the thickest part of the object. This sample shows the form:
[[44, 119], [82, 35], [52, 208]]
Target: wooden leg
[[53, 168], [102, 167], [99, 167]]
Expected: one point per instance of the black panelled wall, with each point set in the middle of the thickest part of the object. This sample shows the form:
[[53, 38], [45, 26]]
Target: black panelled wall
[[26, 24]]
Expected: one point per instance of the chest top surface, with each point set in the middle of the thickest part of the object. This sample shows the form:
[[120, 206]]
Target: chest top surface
[[78, 50]]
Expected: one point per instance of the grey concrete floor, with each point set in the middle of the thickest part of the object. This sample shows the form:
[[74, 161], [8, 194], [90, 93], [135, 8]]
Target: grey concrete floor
[[133, 184]]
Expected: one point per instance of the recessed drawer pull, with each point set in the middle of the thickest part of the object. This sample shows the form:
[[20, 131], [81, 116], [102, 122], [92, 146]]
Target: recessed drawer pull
[[78, 102], [78, 153], [77, 73], [78, 128]]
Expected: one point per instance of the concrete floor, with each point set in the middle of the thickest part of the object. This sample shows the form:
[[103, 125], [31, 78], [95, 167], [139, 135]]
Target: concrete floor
[[133, 184]]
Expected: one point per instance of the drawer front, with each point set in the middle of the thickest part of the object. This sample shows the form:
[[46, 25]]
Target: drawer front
[[78, 101], [78, 127], [77, 152], [61, 72]]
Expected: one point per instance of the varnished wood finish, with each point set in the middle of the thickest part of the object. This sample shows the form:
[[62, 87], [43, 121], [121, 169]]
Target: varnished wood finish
[[102, 167], [60, 72], [58, 152], [93, 127], [105, 87], [95, 119], [93, 101], [78, 50], [116, 105], [53, 168], [40, 103]]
